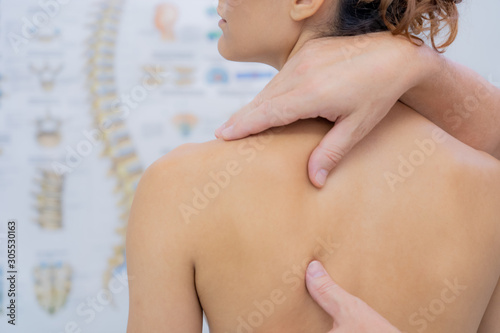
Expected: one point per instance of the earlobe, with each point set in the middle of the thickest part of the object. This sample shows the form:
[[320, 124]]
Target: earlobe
[[304, 9]]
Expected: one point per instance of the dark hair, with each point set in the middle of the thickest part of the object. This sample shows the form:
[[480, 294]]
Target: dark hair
[[409, 18]]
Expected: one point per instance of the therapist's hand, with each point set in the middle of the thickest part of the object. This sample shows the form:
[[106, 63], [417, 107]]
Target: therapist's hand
[[352, 81], [349, 313]]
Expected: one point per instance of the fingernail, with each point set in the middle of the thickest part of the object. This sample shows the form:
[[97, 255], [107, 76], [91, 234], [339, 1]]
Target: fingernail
[[219, 130], [321, 176], [315, 269], [226, 133]]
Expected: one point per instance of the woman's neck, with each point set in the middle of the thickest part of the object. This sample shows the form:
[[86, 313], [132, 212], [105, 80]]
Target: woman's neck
[[303, 38]]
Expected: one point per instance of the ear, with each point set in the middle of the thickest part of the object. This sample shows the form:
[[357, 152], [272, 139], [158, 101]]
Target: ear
[[303, 9]]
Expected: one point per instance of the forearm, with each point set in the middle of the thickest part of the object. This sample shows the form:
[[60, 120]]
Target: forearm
[[458, 100]]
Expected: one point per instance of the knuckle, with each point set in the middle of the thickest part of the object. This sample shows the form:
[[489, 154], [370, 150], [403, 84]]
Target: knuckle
[[357, 304], [361, 131], [258, 100], [233, 119], [333, 153], [326, 288], [267, 108], [302, 68]]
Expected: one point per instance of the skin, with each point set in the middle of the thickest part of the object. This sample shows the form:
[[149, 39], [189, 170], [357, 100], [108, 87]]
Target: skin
[[396, 250], [373, 264], [349, 313], [327, 76], [292, 23]]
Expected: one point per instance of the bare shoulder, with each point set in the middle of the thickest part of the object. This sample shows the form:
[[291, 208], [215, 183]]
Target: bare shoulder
[[160, 253], [192, 182], [185, 165], [471, 195], [419, 160], [484, 179], [158, 197], [475, 176], [472, 179], [209, 180]]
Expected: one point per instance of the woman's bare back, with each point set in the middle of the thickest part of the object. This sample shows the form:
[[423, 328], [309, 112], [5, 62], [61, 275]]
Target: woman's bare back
[[408, 222]]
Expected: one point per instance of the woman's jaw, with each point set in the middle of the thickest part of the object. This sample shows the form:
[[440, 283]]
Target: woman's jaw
[[276, 57], [264, 31]]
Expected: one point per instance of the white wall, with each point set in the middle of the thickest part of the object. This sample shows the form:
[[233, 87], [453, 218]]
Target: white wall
[[478, 42]]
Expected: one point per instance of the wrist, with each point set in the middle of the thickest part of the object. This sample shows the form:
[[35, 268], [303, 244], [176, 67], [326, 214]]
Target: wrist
[[424, 64]]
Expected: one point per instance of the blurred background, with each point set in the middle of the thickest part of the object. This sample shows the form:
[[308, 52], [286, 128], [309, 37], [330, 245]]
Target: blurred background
[[93, 92]]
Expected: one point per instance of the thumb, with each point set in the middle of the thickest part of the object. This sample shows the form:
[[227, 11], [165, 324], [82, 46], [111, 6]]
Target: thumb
[[332, 148], [329, 295]]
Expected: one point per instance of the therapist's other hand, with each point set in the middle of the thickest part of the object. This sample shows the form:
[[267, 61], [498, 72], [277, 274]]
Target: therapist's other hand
[[352, 81], [349, 313]]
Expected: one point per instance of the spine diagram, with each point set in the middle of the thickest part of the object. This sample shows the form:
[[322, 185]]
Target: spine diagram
[[48, 200], [48, 131], [46, 76], [118, 147]]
